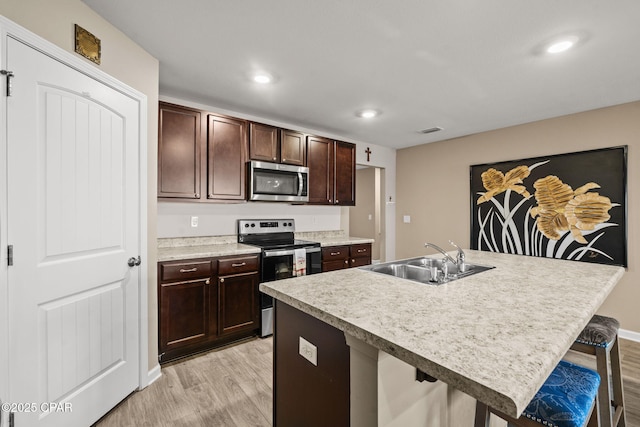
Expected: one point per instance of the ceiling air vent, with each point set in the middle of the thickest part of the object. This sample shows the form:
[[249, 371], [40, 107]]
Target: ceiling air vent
[[431, 130]]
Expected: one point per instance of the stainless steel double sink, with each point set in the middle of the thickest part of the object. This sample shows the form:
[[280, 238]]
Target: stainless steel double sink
[[427, 270]]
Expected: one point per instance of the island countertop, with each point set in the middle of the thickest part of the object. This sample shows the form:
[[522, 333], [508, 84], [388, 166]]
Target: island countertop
[[496, 335]]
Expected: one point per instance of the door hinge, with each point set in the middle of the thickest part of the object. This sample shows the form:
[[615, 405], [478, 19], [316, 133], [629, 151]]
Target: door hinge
[[10, 255], [160, 356], [9, 75], [11, 421]]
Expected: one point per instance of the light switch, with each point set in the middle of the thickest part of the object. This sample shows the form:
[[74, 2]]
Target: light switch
[[406, 219], [194, 221]]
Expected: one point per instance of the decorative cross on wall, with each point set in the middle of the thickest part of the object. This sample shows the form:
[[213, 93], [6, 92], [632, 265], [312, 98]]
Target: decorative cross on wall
[[368, 151]]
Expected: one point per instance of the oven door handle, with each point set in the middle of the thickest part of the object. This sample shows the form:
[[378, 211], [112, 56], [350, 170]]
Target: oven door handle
[[268, 254]]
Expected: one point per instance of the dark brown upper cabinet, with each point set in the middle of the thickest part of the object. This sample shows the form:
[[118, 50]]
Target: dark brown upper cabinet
[[200, 152], [227, 156], [332, 171], [179, 152], [344, 161], [271, 144], [292, 148]]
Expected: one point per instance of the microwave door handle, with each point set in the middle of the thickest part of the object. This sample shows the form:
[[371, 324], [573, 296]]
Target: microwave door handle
[[299, 183]]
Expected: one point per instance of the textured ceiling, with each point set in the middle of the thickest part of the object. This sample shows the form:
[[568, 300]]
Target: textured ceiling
[[466, 66]]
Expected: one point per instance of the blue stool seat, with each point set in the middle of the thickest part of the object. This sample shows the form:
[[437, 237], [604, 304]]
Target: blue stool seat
[[566, 398]]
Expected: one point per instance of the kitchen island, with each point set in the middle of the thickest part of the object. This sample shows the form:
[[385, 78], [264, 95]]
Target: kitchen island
[[494, 336]]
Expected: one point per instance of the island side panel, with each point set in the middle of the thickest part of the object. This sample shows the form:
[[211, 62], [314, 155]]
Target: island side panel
[[305, 394]]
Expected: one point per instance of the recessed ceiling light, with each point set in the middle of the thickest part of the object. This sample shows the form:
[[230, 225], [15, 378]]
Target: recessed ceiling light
[[562, 44], [262, 78], [367, 114]]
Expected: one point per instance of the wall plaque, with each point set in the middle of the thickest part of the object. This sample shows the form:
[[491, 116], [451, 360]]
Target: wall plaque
[[87, 44]]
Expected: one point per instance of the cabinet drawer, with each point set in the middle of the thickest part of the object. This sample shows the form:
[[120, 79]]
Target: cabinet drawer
[[331, 253], [181, 270], [361, 250], [237, 265]]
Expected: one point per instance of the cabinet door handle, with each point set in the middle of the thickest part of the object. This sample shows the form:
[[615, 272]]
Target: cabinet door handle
[[222, 280], [361, 250], [274, 159], [197, 195], [337, 201], [346, 261], [191, 270], [335, 253], [242, 264], [353, 260], [207, 282]]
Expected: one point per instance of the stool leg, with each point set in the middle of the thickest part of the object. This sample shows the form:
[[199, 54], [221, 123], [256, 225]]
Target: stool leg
[[482, 415], [594, 418], [604, 395], [616, 377]]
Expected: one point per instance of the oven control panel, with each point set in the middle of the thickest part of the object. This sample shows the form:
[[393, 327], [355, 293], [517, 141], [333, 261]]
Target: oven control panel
[[264, 226]]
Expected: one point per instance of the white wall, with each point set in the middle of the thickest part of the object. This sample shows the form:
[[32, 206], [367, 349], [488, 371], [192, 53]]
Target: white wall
[[219, 218]]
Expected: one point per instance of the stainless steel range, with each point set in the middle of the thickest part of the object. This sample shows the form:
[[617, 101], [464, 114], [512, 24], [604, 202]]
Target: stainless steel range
[[282, 257]]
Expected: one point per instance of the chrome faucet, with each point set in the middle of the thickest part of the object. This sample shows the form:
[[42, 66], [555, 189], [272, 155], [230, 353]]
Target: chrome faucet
[[460, 257], [439, 249]]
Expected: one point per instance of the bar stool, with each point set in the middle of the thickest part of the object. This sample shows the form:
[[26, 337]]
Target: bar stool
[[568, 398], [600, 338]]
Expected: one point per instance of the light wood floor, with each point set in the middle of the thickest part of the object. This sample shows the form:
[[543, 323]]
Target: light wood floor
[[232, 387], [226, 387]]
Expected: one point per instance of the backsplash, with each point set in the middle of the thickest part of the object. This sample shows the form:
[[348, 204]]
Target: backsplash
[[217, 219]]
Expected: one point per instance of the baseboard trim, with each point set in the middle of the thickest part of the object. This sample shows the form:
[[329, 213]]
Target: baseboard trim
[[153, 375], [629, 335]]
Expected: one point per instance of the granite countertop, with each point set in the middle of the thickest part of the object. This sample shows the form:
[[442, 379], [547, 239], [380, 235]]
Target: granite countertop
[[332, 238], [174, 249], [496, 335], [179, 248]]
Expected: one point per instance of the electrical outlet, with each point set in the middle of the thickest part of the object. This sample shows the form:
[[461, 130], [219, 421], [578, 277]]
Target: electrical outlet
[[194, 221], [308, 351]]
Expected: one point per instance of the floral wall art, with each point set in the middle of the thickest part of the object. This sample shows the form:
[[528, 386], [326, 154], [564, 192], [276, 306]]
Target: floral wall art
[[570, 206]]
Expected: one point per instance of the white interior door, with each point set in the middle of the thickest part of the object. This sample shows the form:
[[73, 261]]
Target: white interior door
[[73, 222]]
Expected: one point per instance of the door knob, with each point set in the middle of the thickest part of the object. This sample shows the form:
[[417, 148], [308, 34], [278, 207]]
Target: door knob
[[134, 261]]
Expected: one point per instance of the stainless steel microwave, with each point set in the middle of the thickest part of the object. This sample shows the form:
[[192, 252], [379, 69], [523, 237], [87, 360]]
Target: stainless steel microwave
[[276, 182]]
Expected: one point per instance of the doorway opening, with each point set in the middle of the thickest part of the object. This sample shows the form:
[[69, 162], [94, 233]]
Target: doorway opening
[[367, 217]]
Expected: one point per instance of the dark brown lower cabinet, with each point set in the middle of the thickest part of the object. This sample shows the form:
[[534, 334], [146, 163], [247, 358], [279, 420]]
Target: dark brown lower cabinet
[[204, 303], [359, 255], [345, 256], [238, 302], [305, 394]]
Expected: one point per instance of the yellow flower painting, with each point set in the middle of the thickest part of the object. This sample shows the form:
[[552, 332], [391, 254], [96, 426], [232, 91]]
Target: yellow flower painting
[[567, 206], [562, 209], [495, 182]]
